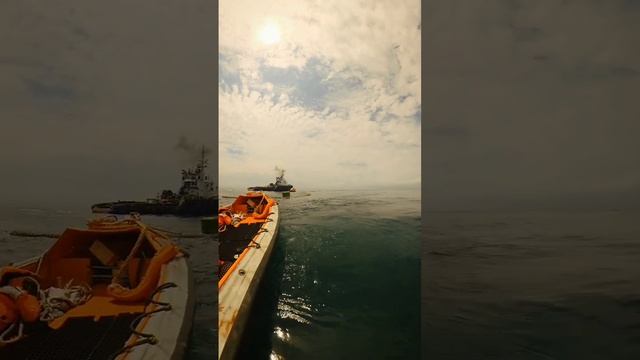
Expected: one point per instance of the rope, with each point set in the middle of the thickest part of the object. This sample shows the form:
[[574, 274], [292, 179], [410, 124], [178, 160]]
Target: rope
[[160, 288], [52, 306], [56, 302], [180, 235], [8, 331], [146, 338], [5, 338], [152, 340], [256, 245]]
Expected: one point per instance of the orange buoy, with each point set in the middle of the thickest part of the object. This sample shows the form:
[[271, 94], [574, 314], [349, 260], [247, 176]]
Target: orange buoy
[[28, 307], [8, 312], [16, 304], [224, 219]]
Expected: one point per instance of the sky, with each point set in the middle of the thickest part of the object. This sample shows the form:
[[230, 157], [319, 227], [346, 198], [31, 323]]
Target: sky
[[98, 100], [525, 102], [328, 90], [531, 104]]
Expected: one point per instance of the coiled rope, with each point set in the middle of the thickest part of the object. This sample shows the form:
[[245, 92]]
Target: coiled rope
[[56, 302]]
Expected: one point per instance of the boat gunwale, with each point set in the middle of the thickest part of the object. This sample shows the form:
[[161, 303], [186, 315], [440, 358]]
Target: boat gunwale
[[244, 252], [180, 344]]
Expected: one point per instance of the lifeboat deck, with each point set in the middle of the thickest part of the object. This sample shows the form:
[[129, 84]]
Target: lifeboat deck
[[79, 339]]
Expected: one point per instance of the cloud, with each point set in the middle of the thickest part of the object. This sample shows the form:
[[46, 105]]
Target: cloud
[[336, 101], [530, 99], [49, 91], [102, 106]]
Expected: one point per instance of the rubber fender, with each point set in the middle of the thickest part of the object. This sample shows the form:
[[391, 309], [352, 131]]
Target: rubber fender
[[150, 280], [8, 312]]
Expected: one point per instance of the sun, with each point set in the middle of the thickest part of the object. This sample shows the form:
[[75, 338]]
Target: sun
[[270, 34]]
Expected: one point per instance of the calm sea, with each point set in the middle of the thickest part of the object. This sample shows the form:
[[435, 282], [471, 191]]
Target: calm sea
[[203, 256], [531, 285], [343, 281]]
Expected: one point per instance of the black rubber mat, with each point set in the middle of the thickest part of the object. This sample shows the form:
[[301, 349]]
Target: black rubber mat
[[79, 339], [234, 240], [232, 243], [222, 269]]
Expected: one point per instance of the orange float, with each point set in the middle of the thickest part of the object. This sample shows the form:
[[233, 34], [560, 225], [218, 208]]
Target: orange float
[[17, 305], [149, 282], [8, 312]]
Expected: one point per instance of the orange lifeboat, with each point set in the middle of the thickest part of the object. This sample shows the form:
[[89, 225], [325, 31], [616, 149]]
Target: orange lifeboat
[[244, 248], [117, 272]]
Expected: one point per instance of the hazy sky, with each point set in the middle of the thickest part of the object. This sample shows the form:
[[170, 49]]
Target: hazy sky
[[328, 90], [95, 96], [532, 102]]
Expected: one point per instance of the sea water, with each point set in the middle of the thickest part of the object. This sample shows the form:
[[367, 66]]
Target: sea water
[[343, 281], [531, 285]]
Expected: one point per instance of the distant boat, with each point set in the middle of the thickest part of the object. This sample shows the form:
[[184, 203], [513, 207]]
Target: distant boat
[[247, 233], [280, 185], [119, 289], [197, 197]]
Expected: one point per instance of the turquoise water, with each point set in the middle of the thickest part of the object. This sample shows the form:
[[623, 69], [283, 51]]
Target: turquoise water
[[343, 281], [203, 254]]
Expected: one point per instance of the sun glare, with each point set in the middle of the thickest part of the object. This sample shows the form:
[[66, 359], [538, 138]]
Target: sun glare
[[270, 34]]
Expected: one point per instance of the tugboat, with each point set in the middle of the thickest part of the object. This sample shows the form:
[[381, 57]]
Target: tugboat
[[196, 197], [280, 185]]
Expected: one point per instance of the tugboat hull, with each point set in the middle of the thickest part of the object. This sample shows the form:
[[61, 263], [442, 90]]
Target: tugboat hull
[[187, 207], [197, 207], [279, 186], [276, 188]]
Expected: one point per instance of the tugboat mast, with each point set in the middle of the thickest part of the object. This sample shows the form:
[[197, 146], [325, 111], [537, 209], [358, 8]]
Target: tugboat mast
[[203, 161]]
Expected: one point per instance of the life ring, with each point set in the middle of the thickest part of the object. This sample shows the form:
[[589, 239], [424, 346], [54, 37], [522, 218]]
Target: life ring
[[150, 280]]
